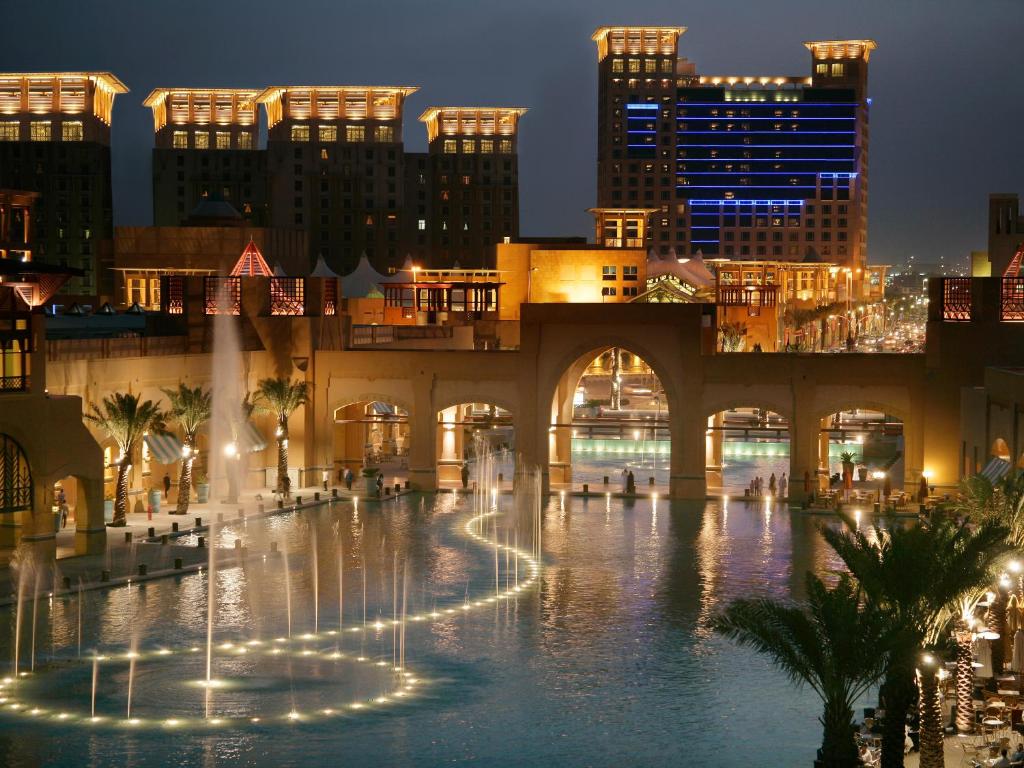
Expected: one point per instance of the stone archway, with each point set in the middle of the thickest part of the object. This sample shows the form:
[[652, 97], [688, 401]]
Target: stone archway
[[370, 430], [464, 432], [610, 413]]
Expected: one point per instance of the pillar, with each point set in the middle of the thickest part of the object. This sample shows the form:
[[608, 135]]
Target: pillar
[[804, 444], [38, 531], [714, 450], [687, 479], [90, 527], [423, 437], [449, 446]]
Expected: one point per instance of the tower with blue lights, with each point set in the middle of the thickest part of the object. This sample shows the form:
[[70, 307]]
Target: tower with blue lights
[[749, 167]]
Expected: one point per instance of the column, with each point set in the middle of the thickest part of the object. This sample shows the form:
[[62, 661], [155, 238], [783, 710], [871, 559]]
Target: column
[[713, 449], [422, 440], [804, 442], [687, 479], [90, 528]]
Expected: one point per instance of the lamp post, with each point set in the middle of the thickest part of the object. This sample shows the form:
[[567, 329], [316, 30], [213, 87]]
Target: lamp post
[[879, 476]]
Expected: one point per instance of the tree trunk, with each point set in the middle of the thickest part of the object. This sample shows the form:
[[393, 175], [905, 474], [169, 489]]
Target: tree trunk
[[838, 747], [282, 453], [184, 483], [995, 619], [930, 720], [898, 692], [616, 398], [964, 679], [121, 495]]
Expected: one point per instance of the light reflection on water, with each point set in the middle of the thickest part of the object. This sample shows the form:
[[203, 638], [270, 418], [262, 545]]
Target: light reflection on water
[[610, 663]]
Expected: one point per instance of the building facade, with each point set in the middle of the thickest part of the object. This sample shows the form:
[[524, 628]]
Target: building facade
[[55, 140], [473, 184], [205, 145], [335, 167], [740, 167]]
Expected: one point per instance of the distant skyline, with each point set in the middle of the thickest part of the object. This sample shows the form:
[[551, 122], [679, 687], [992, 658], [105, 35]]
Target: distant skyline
[[947, 103]]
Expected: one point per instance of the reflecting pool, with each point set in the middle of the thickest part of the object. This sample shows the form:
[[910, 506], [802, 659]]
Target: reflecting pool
[[606, 661]]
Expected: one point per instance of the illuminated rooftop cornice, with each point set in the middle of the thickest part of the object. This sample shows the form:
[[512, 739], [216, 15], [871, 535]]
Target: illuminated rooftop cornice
[[103, 79], [333, 102], [637, 40], [202, 106], [59, 93], [471, 121], [841, 49]]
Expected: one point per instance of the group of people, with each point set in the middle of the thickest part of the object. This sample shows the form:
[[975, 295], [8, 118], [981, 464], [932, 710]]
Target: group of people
[[1006, 760], [776, 487], [628, 481]]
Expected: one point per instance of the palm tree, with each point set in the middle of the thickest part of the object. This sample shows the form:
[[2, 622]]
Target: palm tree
[[834, 644], [125, 419], [280, 397], [732, 335], [191, 407], [915, 576]]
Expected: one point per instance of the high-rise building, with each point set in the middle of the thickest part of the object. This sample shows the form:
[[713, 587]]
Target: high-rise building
[[55, 140], [335, 167], [737, 166], [473, 179], [206, 146]]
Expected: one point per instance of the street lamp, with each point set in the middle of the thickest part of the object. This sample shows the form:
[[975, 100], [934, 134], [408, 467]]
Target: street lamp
[[879, 476]]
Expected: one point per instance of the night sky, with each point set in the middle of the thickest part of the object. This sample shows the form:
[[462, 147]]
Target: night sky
[[947, 83]]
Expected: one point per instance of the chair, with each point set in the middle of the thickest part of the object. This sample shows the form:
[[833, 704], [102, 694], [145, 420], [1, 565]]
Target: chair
[[970, 753]]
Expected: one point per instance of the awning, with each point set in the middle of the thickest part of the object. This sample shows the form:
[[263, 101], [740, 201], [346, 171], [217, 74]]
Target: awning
[[164, 447], [995, 470], [250, 440], [382, 409]]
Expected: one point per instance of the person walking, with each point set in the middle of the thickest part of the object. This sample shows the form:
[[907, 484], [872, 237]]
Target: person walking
[[783, 486], [286, 487], [630, 483], [625, 479], [62, 507], [380, 485], [771, 485], [348, 478], [465, 476], [167, 485]]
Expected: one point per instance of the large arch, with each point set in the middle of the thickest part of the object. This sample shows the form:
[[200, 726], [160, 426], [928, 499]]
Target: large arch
[[744, 441], [876, 432], [370, 429], [465, 432], [557, 401]]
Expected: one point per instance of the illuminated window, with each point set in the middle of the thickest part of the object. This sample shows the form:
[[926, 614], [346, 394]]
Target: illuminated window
[[328, 133], [468, 146], [223, 140], [71, 130], [355, 133], [616, 65], [245, 140], [39, 130], [666, 65], [9, 130], [421, 224], [180, 140], [450, 146], [202, 140], [838, 69], [300, 133], [821, 68], [650, 65], [505, 147], [486, 146], [634, 65], [384, 134]]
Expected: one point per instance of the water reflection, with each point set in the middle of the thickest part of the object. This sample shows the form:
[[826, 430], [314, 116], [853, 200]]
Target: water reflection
[[609, 662]]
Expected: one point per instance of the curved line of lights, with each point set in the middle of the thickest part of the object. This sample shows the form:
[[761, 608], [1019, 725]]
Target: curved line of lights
[[408, 684]]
